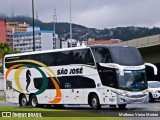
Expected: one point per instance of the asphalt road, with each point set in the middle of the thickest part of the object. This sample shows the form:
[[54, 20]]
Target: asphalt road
[[106, 110]]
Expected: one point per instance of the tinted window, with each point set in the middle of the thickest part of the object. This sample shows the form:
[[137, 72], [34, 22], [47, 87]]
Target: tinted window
[[67, 82], [101, 55], [108, 77], [81, 56], [39, 81], [83, 82], [48, 59], [123, 55], [8, 85], [129, 56]]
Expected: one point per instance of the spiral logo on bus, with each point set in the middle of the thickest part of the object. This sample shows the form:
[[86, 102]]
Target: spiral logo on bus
[[25, 64]]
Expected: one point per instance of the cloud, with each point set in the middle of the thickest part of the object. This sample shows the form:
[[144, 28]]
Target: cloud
[[140, 13], [91, 13]]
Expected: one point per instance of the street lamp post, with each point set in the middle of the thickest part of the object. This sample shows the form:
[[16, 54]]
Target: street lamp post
[[71, 22], [87, 38], [33, 25]]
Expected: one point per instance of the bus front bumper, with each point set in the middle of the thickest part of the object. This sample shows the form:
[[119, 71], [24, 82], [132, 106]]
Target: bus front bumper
[[132, 99]]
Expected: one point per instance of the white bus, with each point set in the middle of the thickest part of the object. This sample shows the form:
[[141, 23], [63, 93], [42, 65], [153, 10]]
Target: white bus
[[95, 75]]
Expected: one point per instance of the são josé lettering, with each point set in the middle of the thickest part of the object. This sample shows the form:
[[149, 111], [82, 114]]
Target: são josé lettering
[[71, 71]]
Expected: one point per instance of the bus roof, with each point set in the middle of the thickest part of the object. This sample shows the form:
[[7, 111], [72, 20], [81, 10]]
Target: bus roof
[[108, 46], [64, 49], [45, 51]]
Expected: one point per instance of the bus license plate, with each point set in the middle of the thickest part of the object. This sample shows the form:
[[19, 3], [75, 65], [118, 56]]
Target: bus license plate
[[136, 102]]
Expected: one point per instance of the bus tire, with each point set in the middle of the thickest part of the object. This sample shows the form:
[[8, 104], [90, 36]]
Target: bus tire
[[94, 102], [33, 101], [23, 101], [122, 106]]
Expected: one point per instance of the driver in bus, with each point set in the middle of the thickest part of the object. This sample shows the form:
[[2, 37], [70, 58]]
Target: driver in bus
[[129, 81]]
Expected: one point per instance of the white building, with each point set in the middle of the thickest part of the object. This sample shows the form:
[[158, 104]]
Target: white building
[[44, 40], [72, 42], [69, 43]]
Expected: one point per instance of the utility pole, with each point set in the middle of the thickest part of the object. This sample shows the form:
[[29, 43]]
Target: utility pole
[[12, 15], [33, 25], [54, 25], [71, 22], [37, 17], [87, 38]]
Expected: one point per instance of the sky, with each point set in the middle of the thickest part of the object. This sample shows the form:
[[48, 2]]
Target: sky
[[98, 14]]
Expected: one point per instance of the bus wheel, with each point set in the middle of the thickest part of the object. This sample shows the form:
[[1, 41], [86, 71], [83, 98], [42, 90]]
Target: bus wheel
[[122, 106], [94, 102], [33, 101], [23, 101]]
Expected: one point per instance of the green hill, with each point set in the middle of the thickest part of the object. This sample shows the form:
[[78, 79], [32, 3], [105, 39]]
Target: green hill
[[79, 31]]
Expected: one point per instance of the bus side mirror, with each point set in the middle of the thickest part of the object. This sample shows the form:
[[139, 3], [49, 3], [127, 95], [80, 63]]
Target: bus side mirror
[[153, 66]]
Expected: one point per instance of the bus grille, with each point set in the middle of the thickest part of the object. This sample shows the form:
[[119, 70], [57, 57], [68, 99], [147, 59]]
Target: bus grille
[[136, 96]]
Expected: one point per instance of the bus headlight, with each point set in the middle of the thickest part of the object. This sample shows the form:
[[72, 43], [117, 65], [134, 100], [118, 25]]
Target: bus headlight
[[123, 93], [145, 92]]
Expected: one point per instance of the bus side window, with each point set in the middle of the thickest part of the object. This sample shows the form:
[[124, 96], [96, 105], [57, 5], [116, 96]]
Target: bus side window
[[102, 55], [73, 82], [86, 57], [111, 81], [81, 56], [84, 82], [9, 85], [108, 79]]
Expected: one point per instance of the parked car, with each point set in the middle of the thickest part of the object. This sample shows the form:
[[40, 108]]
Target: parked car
[[154, 90]]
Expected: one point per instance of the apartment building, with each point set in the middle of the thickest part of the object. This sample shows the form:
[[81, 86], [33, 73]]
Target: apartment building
[[2, 30], [18, 27], [44, 40]]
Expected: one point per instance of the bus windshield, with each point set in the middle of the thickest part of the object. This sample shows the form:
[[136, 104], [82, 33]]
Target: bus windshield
[[128, 56], [122, 55], [133, 80]]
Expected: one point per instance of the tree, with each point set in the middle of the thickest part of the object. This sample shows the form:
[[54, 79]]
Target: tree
[[4, 50]]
